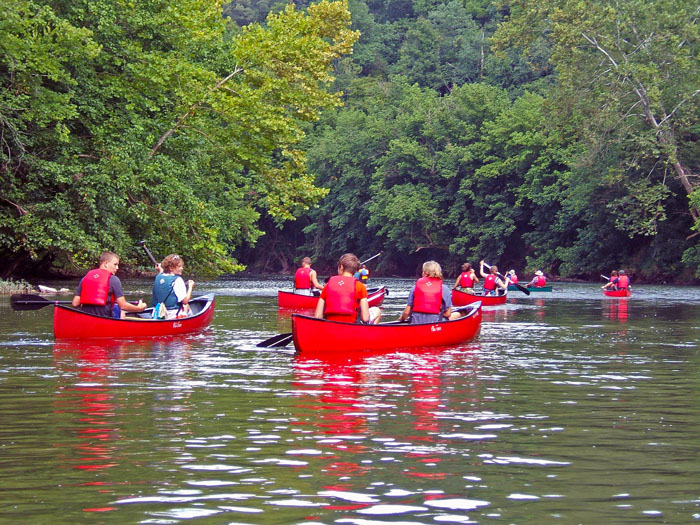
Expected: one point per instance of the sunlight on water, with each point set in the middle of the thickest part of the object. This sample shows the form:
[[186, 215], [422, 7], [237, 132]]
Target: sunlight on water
[[568, 407]]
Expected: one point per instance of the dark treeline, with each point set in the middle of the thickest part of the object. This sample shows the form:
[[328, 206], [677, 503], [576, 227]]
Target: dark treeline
[[534, 134], [531, 133]]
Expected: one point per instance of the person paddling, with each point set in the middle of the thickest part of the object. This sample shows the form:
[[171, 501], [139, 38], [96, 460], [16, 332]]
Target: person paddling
[[430, 301], [467, 279], [612, 281], [100, 291], [170, 289], [492, 282], [344, 298], [539, 280], [513, 277], [305, 279]]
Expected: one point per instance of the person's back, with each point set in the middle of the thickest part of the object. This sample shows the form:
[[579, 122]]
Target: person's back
[[430, 300], [305, 280]]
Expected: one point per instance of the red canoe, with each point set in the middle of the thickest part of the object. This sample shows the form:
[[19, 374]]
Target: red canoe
[[375, 296], [70, 323], [320, 335], [618, 293], [460, 298]]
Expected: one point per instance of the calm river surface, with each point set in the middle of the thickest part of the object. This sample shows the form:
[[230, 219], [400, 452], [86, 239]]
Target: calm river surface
[[569, 407]]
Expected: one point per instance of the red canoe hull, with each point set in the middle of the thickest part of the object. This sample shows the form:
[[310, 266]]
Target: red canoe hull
[[460, 298], [319, 335], [375, 297], [617, 293], [69, 323]]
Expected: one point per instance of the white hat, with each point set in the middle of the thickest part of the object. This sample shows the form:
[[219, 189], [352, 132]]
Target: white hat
[[512, 272], [538, 273]]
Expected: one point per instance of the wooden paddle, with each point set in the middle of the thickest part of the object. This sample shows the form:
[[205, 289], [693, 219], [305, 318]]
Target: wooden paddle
[[518, 286], [31, 302]]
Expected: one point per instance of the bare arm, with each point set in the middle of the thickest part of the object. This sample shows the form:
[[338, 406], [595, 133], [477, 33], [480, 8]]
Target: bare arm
[[481, 270], [76, 301], [457, 282], [314, 280], [318, 313], [190, 285], [128, 307], [364, 310], [406, 312]]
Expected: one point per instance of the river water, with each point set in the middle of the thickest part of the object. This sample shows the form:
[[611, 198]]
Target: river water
[[569, 407]]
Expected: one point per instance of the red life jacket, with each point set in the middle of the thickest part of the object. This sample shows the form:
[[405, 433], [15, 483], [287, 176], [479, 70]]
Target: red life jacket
[[514, 279], [95, 287], [623, 282], [302, 279], [340, 295], [541, 280], [427, 295], [490, 282], [465, 280]]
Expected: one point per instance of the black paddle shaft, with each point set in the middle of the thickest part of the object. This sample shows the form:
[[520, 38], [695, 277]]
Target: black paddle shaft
[[148, 252]]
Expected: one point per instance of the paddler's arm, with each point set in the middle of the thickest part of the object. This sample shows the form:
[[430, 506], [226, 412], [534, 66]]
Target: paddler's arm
[[318, 314]]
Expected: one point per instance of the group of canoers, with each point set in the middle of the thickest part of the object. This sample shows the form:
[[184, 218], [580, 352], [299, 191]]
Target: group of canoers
[[344, 296], [494, 282], [100, 291], [618, 280]]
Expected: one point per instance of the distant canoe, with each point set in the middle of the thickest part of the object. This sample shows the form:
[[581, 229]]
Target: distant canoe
[[618, 293], [332, 337], [460, 298], [375, 297], [548, 288], [71, 323]]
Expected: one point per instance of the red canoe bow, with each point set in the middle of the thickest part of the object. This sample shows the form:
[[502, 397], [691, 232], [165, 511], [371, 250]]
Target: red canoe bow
[[618, 293]]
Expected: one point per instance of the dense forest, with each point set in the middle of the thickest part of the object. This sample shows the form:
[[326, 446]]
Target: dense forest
[[536, 134]]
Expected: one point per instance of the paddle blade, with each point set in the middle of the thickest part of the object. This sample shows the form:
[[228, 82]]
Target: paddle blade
[[28, 302], [275, 341], [522, 289]]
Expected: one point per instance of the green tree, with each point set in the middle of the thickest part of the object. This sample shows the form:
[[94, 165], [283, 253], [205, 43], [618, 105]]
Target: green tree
[[631, 69], [161, 127]]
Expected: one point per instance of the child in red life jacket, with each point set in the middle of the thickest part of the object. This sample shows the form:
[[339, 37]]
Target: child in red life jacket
[[344, 298], [467, 279], [305, 279], [492, 282], [101, 289]]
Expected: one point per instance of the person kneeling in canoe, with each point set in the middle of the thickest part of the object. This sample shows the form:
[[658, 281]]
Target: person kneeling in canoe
[[170, 289], [344, 298], [467, 279], [430, 301], [100, 291], [492, 282], [305, 279]]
